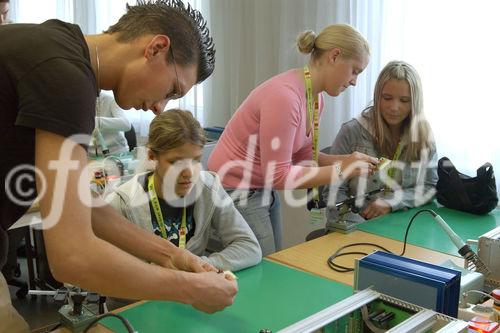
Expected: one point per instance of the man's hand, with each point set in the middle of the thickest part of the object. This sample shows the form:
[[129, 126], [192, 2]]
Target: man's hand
[[184, 260], [214, 291], [376, 208]]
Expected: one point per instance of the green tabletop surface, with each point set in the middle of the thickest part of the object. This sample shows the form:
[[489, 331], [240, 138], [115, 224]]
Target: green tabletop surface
[[271, 296], [425, 232]]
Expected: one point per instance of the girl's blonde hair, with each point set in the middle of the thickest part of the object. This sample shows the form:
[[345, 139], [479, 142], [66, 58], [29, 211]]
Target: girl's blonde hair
[[416, 134], [172, 129], [349, 40]]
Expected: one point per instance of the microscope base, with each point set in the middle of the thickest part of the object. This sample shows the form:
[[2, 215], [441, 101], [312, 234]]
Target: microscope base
[[344, 227], [75, 323]]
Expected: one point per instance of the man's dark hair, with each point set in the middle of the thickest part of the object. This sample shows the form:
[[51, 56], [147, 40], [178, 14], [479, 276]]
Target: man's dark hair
[[187, 29]]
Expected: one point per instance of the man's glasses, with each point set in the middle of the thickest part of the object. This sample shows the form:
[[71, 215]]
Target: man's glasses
[[175, 93]]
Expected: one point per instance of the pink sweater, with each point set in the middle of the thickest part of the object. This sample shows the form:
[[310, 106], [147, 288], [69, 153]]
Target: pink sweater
[[266, 137]]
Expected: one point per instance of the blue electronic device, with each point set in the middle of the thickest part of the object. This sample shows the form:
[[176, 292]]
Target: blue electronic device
[[427, 285]]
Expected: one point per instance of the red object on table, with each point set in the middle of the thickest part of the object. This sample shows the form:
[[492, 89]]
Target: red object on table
[[482, 325]]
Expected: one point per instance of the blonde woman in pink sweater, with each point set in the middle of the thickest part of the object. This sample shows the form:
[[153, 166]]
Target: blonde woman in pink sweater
[[271, 140]]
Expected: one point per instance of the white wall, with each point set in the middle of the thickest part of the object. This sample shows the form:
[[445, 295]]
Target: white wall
[[296, 225]]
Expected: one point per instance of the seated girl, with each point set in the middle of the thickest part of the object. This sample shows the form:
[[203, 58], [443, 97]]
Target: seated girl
[[395, 130], [180, 202]]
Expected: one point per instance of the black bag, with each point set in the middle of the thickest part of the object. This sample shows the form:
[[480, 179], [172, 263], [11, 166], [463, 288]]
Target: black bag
[[477, 195]]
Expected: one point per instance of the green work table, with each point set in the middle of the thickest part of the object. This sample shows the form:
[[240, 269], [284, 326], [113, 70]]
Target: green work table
[[425, 232], [271, 296]]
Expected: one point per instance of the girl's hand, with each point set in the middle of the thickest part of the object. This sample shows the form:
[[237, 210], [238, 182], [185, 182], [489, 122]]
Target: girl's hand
[[376, 208], [358, 164]]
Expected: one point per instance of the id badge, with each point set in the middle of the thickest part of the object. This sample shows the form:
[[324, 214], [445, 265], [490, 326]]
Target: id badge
[[316, 217]]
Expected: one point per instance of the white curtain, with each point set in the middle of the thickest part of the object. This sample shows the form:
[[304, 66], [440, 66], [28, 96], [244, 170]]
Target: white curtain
[[256, 40], [34, 11], [453, 45]]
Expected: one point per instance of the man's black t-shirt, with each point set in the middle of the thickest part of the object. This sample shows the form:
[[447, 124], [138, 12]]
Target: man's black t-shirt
[[46, 82]]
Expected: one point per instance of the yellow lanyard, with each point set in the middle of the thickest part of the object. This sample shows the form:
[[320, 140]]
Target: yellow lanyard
[[159, 216], [313, 113], [392, 169]]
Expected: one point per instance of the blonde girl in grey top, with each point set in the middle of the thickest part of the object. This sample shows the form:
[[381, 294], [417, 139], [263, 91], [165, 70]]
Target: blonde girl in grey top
[[394, 128]]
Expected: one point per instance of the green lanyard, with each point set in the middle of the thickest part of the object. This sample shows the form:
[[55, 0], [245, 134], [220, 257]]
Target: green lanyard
[[159, 216], [313, 113]]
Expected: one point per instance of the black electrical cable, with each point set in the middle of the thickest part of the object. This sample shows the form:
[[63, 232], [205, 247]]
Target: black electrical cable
[[409, 225], [339, 268], [125, 322], [343, 269]]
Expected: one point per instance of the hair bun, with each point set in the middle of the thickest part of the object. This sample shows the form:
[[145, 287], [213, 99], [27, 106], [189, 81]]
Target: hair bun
[[305, 41]]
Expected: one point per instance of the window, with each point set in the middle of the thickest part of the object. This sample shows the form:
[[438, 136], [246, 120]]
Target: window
[[453, 46], [33, 11]]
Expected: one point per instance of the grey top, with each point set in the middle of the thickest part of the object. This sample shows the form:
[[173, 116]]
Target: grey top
[[417, 179], [213, 208]]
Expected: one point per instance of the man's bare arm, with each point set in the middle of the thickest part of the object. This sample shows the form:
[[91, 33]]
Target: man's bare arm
[[77, 256], [114, 228]]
